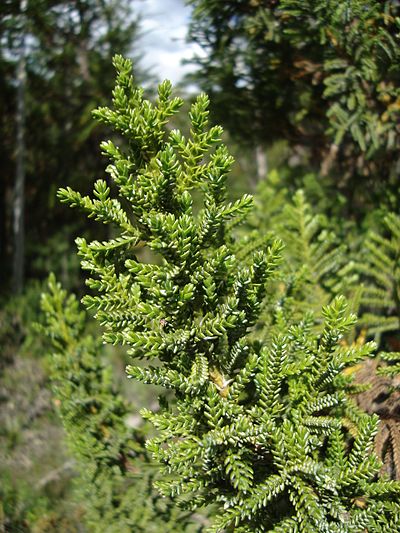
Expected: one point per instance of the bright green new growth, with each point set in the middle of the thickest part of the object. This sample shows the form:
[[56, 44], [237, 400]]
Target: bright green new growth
[[111, 458], [260, 429]]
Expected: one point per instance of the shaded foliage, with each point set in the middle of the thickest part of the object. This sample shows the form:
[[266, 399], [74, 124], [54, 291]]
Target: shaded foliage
[[69, 46], [322, 75]]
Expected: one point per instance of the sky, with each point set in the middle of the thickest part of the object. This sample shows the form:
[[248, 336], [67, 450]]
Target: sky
[[164, 25]]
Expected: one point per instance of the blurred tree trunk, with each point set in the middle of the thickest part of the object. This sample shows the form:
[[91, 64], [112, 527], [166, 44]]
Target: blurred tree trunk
[[261, 162], [19, 186]]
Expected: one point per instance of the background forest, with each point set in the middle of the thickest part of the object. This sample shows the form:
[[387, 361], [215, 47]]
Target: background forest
[[308, 94]]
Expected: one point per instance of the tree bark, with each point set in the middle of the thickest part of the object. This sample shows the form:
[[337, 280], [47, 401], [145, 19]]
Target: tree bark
[[261, 162], [19, 186]]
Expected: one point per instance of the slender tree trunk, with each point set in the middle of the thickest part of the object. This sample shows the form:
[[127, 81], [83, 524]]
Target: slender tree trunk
[[261, 161], [83, 43], [19, 186]]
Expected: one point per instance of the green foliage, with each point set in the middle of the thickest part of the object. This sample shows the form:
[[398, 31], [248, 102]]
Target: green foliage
[[270, 445], [35, 473], [322, 75], [315, 265], [25, 511], [115, 476], [16, 318], [393, 368], [259, 428], [69, 47], [380, 270]]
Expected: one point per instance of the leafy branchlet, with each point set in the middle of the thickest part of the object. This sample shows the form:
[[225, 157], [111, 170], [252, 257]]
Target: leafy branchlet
[[111, 459], [258, 428]]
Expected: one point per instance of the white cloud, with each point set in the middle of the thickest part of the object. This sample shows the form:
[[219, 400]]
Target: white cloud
[[164, 26]]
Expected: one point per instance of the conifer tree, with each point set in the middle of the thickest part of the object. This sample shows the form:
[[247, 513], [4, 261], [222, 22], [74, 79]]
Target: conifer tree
[[264, 429], [115, 481]]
